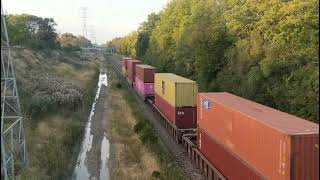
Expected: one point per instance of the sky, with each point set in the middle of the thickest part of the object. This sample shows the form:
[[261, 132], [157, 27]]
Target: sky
[[106, 19]]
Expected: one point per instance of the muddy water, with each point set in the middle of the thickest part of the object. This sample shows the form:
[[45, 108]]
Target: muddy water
[[81, 170], [105, 153]]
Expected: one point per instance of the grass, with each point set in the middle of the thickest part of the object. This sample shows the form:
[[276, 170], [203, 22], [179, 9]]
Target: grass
[[149, 136], [54, 128], [132, 160]]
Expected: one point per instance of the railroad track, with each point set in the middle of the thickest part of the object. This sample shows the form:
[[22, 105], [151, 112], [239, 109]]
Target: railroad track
[[175, 149]]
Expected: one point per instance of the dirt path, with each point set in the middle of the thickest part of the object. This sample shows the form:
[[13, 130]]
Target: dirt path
[[93, 158]]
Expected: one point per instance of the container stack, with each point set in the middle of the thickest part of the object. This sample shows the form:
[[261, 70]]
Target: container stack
[[144, 79], [131, 71], [246, 140], [176, 98]]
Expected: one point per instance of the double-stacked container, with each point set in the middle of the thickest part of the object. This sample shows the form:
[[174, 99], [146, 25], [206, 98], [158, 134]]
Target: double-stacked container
[[144, 79], [246, 140], [131, 71], [176, 98], [124, 65]]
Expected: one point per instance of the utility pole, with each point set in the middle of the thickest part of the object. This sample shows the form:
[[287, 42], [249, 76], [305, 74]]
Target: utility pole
[[13, 143]]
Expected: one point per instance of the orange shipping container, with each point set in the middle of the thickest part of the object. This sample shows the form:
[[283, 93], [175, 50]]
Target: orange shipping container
[[224, 160], [278, 145]]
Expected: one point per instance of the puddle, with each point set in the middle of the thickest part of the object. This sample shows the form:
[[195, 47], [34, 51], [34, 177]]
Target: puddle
[[105, 153], [81, 171]]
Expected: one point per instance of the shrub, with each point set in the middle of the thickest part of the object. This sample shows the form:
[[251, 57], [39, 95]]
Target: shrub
[[38, 106], [118, 85], [139, 126]]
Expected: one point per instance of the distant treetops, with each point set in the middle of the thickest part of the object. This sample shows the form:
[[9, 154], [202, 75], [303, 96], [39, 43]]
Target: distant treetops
[[40, 33]]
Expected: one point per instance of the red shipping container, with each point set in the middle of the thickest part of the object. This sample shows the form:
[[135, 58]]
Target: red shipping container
[[145, 73], [132, 69], [225, 161], [278, 145], [182, 117], [124, 63]]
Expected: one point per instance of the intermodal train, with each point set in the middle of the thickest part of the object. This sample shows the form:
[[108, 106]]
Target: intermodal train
[[226, 136]]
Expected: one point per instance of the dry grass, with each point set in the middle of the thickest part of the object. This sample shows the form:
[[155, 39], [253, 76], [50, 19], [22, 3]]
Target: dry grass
[[132, 159], [52, 138]]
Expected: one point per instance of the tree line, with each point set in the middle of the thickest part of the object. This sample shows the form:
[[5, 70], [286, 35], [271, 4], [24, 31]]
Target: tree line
[[265, 51], [35, 32]]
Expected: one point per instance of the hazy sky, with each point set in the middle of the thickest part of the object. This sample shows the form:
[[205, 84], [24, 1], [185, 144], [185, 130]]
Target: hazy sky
[[106, 18]]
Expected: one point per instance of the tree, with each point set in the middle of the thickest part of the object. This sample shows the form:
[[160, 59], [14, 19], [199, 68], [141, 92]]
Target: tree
[[265, 51], [32, 31], [144, 33]]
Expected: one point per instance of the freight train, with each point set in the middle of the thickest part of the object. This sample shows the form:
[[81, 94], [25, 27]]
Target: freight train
[[226, 136]]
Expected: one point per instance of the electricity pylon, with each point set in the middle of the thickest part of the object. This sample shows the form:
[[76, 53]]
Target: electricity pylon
[[13, 143]]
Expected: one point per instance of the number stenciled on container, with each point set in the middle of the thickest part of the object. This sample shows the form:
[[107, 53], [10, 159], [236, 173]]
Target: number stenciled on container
[[180, 113]]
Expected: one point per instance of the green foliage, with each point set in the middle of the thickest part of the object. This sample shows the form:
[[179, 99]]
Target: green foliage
[[144, 33], [146, 132], [266, 51], [75, 132], [125, 45], [32, 31], [38, 106]]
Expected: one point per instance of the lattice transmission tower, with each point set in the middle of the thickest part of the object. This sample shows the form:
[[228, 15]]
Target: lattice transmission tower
[[84, 18], [13, 143]]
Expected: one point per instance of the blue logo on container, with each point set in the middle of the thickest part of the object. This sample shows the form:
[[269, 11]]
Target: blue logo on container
[[206, 104]]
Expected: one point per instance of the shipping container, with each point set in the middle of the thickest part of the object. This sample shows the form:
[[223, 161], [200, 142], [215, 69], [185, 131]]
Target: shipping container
[[145, 73], [231, 166], [181, 117], [125, 64], [278, 145], [176, 90], [131, 71], [145, 89]]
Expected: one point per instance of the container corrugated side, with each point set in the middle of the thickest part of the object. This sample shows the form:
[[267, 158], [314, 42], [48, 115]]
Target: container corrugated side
[[176, 90], [305, 157], [225, 161], [131, 71], [145, 73], [258, 143], [181, 117], [124, 65], [186, 94]]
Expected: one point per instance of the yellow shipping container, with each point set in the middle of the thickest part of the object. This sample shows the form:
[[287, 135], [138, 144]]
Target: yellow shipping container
[[176, 90]]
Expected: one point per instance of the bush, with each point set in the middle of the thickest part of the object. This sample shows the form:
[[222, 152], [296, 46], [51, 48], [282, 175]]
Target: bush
[[139, 126], [148, 135], [38, 106], [118, 85]]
